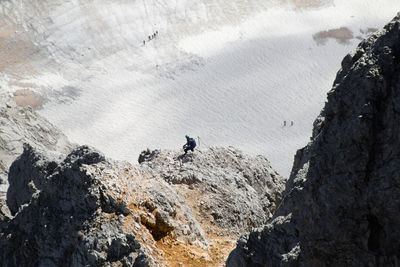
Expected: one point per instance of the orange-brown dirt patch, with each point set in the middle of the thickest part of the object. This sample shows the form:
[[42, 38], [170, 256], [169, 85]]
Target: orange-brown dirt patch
[[342, 35], [306, 4], [222, 242], [177, 254], [27, 98], [21, 84], [16, 50], [170, 250]]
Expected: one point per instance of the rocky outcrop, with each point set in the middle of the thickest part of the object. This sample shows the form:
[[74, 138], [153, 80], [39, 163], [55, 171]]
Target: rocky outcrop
[[62, 215], [236, 191], [30, 174], [20, 125], [171, 209], [343, 195]]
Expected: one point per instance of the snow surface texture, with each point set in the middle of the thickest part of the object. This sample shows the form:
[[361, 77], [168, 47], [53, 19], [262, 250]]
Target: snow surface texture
[[230, 72]]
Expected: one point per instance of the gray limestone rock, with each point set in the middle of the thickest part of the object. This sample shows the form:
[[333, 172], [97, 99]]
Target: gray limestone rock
[[27, 181], [57, 222], [19, 125], [237, 191], [148, 155], [86, 210], [342, 199]]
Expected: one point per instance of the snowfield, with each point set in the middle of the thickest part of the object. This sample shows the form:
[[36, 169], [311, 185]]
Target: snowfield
[[230, 72]]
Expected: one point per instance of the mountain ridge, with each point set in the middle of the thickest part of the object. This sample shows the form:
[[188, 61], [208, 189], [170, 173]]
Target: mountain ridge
[[342, 197], [168, 210]]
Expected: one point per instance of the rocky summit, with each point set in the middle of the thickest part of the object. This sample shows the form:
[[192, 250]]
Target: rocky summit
[[342, 199], [169, 210]]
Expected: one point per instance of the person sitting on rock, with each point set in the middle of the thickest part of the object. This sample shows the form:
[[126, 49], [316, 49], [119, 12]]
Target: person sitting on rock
[[190, 144]]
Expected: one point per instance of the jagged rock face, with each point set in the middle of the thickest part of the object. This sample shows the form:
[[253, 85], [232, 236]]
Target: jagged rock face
[[30, 173], [169, 210], [20, 125], [343, 196], [62, 224], [237, 191]]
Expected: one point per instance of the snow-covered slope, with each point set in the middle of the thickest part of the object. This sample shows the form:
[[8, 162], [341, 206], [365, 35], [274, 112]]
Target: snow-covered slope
[[230, 72]]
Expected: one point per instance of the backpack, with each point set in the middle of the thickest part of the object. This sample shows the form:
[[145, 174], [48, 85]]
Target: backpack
[[192, 142]]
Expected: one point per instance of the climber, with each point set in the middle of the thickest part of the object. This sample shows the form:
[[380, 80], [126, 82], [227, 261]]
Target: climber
[[190, 144]]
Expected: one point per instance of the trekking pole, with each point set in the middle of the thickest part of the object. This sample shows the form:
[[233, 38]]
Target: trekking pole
[[198, 138]]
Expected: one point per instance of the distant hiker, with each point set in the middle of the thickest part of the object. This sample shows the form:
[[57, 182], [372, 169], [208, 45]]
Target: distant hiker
[[190, 144], [291, 123], [156, 32], [149, 37], [144, 42], [284, 123]]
